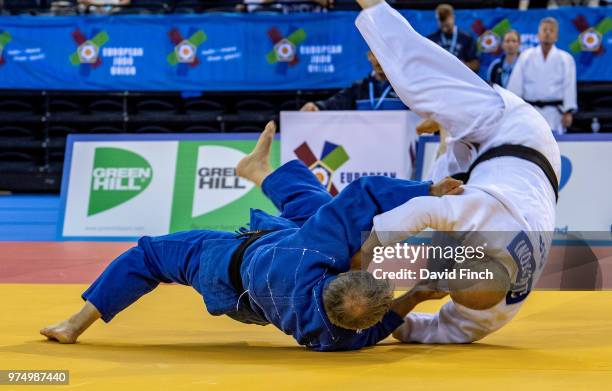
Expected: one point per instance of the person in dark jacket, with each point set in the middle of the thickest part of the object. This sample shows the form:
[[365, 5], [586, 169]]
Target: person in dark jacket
[[457, 42], [375, 88], [501, 69]]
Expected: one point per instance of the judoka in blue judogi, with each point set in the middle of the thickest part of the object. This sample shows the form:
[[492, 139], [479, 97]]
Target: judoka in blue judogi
[[282, 274]]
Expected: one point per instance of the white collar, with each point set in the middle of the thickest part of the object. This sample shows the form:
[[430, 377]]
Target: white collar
[[553, 50]]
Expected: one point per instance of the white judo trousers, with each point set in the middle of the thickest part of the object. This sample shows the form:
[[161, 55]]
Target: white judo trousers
[[503, 194]]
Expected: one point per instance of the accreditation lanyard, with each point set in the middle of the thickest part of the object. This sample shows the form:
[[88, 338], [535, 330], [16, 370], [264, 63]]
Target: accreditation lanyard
[[506, 72], [453, 43], [376, 105]]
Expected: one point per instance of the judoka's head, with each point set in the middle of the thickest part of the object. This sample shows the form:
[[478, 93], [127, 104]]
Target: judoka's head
[[511, 42], [376, 67], [548, 32], [476, 293], [356, 300], [445, 13]]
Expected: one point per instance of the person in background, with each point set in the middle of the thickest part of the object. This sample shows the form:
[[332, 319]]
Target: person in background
[[501, 69], [459, 43], [285, 6], [545, 77], [375, 88], [102, 6], [553, 4]]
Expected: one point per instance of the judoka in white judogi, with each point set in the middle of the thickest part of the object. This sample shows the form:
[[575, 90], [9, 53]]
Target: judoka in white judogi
[[503, 194], [548, 83]]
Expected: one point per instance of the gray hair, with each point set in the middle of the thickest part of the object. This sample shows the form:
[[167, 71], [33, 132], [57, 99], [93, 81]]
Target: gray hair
[[551, 20], [356, 300]]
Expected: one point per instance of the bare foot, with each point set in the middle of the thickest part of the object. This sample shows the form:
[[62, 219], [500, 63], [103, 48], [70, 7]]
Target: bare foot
[[256, 165], [69, 330], [63, 332]]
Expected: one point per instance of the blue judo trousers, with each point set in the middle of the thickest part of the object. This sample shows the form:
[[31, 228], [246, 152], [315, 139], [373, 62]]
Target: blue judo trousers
[[284, 272]]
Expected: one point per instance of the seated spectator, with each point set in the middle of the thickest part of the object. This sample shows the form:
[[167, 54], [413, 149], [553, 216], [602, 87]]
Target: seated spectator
[[102, 6], [459, 43], [501, 69], [286, 6], [552, 4], [63, 8], [375, 88], [545, 76]]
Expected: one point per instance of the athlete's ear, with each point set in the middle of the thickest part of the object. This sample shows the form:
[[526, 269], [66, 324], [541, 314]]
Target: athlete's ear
[[429, 126]]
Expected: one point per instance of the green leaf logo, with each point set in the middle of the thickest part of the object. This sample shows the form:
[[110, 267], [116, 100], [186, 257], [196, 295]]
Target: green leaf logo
[[118, 176]]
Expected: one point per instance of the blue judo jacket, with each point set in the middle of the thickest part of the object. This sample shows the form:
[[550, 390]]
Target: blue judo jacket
[[314, 238]]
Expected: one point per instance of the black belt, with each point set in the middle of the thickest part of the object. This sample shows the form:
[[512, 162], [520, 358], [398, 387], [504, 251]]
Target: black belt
[[544, 103], [520, 152], [244, 312], [237, 257]]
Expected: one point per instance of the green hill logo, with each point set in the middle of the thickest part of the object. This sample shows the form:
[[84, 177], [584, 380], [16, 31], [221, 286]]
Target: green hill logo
[[117, 177]]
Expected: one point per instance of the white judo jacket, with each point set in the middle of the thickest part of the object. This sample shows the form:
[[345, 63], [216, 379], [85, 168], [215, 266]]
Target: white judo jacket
[[503, 194], [535, 78]]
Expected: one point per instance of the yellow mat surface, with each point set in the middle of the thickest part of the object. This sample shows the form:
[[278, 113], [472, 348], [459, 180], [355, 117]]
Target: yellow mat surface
[[167, 341]]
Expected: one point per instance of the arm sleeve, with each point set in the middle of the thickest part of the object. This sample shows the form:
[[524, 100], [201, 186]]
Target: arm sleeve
[[569, 85], [337, 228], [416, 215], [295, 191], [428, 79], [342, 100], [515, 83], [369, 337], [455, 324]]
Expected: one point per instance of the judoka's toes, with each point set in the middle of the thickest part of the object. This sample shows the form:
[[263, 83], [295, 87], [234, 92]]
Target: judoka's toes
[[261, 152], [256, 165], [61, 332], [264, 144]]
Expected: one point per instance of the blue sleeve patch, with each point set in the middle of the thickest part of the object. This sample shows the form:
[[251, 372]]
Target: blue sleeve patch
[[521, 251]]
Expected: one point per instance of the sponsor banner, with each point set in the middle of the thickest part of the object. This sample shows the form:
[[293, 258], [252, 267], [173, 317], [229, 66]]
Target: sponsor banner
[[259, 51], [207, 192], [342, 146], [129, 186], [584, 197]]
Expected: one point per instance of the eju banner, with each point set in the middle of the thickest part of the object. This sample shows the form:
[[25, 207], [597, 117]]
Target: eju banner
[[121, 187], [180, 52], [251, 52]]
